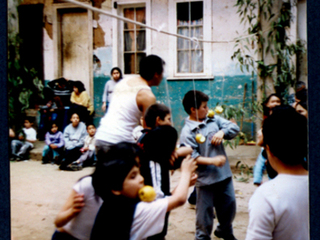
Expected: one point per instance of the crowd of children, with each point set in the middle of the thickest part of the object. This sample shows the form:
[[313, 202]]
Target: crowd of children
[[106, 204]]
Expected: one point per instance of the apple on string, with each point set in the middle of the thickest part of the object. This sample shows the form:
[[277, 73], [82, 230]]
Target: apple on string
[[219, 109], [147, 194]]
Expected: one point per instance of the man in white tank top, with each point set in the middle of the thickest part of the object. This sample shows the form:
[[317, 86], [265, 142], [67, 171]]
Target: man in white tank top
[[131, 97]]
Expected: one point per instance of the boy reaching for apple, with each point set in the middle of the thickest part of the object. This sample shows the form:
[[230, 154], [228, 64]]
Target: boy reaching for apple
[[117, 180], [214, 184]]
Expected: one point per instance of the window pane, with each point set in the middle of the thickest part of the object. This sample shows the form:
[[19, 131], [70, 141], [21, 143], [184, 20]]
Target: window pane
[[183, 43], [129, 41], [141, 40], [196, 13], [129, 63], [183, 61], [128, 13], [139, 57], [134, 38], [197, 61], [197, 33]]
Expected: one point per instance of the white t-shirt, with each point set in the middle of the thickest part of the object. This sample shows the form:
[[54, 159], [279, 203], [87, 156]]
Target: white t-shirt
[[148, 219], [80, 227], [123, 114], [30, 133], [279, 209]]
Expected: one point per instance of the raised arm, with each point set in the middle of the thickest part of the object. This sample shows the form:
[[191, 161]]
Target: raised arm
[[180, 194]]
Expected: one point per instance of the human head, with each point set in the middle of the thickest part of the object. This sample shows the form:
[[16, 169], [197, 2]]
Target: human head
[[91, 129], [285, 135], [193, 100], [302, 108], [79, 87], [54, 127], [75, 119], [27, 123], [159, 143], [150, 67], [271, 101], [113, 167], [299, 86], [116, 74], [157, 114], [301, 95]]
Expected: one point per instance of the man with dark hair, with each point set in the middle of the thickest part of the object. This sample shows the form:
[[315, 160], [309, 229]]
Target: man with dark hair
[[131, 97], [279, 208]]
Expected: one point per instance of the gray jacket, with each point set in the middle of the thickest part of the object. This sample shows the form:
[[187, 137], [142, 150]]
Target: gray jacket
[[209, 174]]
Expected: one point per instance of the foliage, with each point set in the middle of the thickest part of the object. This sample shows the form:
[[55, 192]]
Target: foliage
[[24, 87], [274, 41], [245, 172]]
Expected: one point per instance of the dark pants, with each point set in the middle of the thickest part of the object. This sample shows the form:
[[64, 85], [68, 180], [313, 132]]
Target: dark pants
[[220, 196], [70, 156], [62, 236]]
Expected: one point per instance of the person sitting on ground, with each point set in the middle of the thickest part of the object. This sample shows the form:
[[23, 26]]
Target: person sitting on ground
[[118, 182], [214, 185], [26, 138], [81, 102], [74, 135], [88, 151], [76, 217], [279, 208], [54, 145], [109, 87]]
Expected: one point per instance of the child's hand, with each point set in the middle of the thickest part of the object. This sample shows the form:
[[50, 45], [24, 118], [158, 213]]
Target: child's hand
[[78, 204], [219, 161], [217, 138], [53, 146], [173, 158], [188, 164], [84, 149]]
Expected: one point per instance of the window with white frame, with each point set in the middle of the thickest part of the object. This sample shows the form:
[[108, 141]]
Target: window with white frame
[[134, 39], [190, 24]]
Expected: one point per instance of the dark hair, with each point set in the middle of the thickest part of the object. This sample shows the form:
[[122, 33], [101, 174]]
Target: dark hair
[[29, 119], [194, 98], [51, 123], [159, 143], [74, 112], [285, 132], [79, 85], [150, 65], [119, 70], [154, 111], [302, 95], [90, 124], [266, 110], [113, 167]]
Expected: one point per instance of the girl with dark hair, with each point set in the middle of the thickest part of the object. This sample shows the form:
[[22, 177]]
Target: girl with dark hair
[[272, 101], [116, 75], [81, 102]]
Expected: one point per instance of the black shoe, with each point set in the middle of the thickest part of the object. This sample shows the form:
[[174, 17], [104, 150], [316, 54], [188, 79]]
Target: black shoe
[[74, 167], [45, 160], [227, 236]]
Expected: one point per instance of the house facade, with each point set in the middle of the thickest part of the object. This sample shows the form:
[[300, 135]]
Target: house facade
[[82, 43]]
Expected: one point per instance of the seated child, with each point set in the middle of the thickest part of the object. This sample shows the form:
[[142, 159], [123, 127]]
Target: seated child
[[88, 151], [214, 184], [76, 218], [117, 181], [74, 135], [21, 146], [54, 145]]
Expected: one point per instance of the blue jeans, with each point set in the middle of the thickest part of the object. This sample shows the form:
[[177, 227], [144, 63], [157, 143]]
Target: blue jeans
[[259, 168], [48, 150], [20, 148]]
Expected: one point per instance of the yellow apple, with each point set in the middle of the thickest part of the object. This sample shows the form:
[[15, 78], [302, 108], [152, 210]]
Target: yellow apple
[[147, 194], [200, 138], [210, 113], [218, 109]]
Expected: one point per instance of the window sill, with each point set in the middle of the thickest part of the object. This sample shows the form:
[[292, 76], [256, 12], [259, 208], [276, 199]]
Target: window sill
[[194, 77]]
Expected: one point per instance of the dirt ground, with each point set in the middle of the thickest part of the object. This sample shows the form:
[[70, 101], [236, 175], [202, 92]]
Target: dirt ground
[[39, 191]]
